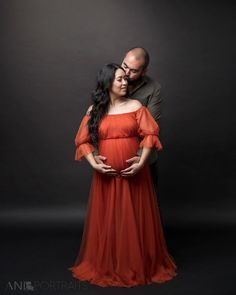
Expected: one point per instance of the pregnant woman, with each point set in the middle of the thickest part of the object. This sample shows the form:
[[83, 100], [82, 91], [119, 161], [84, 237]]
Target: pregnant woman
[[123, 243]]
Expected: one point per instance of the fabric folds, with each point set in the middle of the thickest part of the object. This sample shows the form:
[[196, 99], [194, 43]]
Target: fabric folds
[[123, 243], [83, 141]]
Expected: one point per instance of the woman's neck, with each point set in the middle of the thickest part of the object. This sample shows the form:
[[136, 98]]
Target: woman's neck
[[116, 100]]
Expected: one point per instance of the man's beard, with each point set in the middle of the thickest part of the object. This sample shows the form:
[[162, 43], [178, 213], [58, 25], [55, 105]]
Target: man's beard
[[133, 82]]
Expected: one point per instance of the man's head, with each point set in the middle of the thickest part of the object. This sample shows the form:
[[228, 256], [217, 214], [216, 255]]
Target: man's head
[[135, 63]]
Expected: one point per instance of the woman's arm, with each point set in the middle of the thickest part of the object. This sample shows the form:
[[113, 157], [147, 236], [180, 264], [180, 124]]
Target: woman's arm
[[135, 167], [144, 156]]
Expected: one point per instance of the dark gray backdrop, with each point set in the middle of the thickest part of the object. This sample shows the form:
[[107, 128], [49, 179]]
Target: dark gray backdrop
[[50, 54]]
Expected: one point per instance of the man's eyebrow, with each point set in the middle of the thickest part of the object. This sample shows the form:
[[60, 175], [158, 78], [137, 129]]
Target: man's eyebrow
[[130, 68]]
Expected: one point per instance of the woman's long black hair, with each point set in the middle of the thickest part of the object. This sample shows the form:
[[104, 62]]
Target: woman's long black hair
[[101, 99]]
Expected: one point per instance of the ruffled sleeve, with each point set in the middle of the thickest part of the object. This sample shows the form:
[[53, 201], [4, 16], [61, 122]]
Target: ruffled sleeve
[[148, 129], [83, 141]]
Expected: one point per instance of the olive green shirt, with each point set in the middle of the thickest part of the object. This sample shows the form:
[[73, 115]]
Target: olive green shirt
[[147, 91]]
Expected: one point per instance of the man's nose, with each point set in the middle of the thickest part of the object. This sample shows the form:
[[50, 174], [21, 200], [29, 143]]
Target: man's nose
[[127, 71]]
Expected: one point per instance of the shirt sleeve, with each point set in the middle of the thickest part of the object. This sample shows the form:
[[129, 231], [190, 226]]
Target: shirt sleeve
[[154, 104], [83, 141], [148, 129]]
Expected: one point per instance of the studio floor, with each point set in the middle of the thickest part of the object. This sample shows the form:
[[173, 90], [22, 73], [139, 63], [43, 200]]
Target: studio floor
[[35, 261]]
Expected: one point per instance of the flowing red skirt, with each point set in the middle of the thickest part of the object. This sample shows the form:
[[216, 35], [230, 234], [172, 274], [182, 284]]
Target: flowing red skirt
[[123, 243]]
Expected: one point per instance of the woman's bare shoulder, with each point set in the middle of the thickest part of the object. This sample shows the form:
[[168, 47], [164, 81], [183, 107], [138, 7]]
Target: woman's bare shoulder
[[134, 104]]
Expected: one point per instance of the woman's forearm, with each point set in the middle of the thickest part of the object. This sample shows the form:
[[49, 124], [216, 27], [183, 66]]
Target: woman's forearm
[[144, 156], [90, 158]]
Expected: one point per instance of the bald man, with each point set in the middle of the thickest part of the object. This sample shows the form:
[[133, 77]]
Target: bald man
[[147, 91], [142, 87]]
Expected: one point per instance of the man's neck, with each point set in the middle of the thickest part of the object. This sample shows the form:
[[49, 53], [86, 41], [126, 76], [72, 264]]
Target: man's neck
[[135, 84]]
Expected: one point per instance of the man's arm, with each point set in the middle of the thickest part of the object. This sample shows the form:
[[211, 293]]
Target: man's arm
[[154, 104]]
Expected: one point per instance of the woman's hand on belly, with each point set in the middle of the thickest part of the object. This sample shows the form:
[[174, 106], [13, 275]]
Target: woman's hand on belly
[[133, 160], [99, 159], [105, 169], [131, 170]]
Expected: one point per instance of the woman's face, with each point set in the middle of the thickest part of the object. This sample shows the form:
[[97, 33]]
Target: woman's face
[[120, 83]]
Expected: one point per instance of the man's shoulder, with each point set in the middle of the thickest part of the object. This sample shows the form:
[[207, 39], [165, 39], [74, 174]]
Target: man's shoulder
[[147, 88], [150, 82]]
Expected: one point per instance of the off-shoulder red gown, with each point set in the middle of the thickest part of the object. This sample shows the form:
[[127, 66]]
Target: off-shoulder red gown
[[123, 243]]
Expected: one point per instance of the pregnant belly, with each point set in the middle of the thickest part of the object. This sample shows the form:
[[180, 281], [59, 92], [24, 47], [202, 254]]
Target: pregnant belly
[[118, 150]]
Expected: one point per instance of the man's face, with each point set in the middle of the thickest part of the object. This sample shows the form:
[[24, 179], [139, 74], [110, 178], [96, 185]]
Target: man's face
[[133, 67]]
